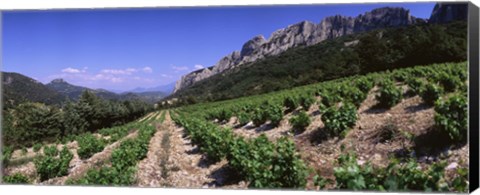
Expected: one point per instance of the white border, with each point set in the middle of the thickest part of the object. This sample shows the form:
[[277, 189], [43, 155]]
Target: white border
[[62, 4], [69, 4]]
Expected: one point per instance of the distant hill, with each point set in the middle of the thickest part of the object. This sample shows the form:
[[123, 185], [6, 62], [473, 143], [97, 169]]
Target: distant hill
[[18, 88], [148, 96], [73, 92], [165, 89]]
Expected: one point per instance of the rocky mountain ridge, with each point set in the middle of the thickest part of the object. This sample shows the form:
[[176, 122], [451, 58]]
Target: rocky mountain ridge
[[302, 34], [308, 33], [447, 12]]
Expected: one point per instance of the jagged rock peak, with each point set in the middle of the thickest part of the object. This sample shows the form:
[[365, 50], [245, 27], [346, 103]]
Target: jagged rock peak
[[448, 12], [384, 17], [304, 33], [252, 45]]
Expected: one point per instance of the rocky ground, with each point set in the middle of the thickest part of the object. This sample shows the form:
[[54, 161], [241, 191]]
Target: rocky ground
[[78, 167], [179, 164], [410, 116], [172, 161], [23, 163]]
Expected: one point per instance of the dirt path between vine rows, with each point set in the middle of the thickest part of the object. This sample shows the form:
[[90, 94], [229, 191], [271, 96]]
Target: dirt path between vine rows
[[159, 115], [80, 167], [148, 116], [148, 173], [183, 166]]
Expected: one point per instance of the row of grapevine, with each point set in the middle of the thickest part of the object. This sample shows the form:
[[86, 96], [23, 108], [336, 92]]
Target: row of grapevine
[[396, 176], [363, 83], [262, 163], [53, 163], [123, 159], [442, 86]]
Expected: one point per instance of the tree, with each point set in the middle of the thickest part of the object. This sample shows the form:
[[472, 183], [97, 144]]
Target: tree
[[372, 52], [29, 122]]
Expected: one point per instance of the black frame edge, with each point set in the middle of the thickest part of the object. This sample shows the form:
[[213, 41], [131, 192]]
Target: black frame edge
[[473, 61]]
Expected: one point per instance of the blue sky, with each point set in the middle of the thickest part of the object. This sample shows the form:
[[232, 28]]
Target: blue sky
[[120, 49]]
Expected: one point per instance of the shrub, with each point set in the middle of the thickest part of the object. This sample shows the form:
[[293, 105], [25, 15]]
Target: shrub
[[212, 114], [395, 177], [258, 117], [107, 176], [420, 72], [253, 159], [451, 117], [89, 145], [225, 115], [306, 101], [291, 103], [408, 176], [37, 147], [50, 150], [274, 113], [415, 85], [132, 150], [449, 82], [321, 182], [338, 120], [300, 121], [329, 100], [289, 171], [460, 183], [268, 165], [50, 166], [350, 175], [16, 178], [216, 143], [6, 154], [389, 95], [354, 95], [244, 118], [431, 93], [460, 71], [400, 75], [238, 155], [364, 84], [24, 151]]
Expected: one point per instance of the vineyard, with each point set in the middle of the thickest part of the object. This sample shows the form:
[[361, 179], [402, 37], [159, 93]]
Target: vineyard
[[397, 130]]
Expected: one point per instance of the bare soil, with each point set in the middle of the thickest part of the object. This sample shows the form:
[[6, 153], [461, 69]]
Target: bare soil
[[148, 173], [411, 115], [78, 167], [173, 161], [186, 166]]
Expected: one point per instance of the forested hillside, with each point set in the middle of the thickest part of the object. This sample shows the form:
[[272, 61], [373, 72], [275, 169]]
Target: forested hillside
[[350, 55], [74, 92], [33, 122], [18, 88]]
